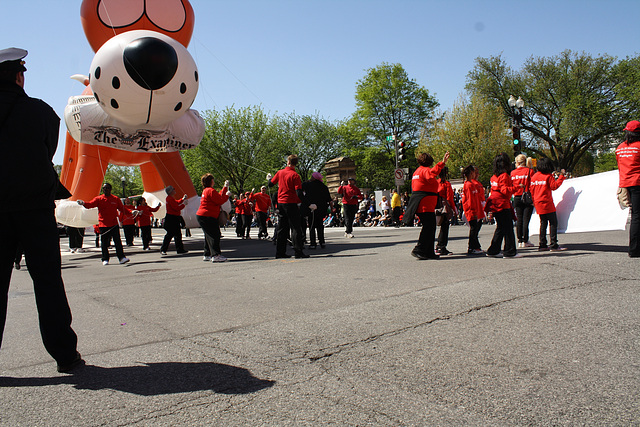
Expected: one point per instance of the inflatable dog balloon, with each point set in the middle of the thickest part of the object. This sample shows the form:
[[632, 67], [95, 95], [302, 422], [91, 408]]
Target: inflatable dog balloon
[[135, 109]]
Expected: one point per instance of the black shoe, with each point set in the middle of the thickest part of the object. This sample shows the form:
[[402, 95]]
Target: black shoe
[[283, 256], [302, 255], [68, 367], [312, 246], [322, 246], [183, 252], [419, 255], [16, 265]]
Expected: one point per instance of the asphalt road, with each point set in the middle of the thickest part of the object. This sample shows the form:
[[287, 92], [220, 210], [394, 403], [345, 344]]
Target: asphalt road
[[361, 333]]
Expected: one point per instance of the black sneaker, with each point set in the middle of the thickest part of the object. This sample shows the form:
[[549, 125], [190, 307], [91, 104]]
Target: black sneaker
[[302, 255], [283, 256], [65, 368], [419, 255]]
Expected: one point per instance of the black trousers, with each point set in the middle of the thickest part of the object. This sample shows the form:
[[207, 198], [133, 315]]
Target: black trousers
[[145, 233], [239, 227], [172, 227], [262, 224], [129, 232], [474, 229], [349, 215], [397, 211], [106, 234], [523, 217], [550, 219], [316, 226], [504, 231], [76, 236], [246, 224], [427, 234], [288, 220], [212, 234], [443, 236], [37, 232], [634, 226]]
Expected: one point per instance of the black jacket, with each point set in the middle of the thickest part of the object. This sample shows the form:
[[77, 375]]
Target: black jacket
[[315, 192]]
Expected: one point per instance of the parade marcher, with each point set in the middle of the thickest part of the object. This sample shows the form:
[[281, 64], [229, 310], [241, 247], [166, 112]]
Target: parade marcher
[[446, 192], [500, 202], [289, 199], [351, 195], [396, 207], [262, 203], [144, 221], [128, 222], [29, 138], [76, 237], [247, 215], [472, 205], [317, 199], [522, 175], [108, 208], [628, 157], [172, 221], [424, 197], [207, 216], [542, 184], [238, 207]]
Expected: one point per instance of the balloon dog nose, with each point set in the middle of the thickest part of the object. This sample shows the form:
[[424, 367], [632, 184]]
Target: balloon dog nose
[[150, 62]]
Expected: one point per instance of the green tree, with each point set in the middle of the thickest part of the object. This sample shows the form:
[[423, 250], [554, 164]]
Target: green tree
[[388, 103], [115, 175], [573, 102], [474, 131]]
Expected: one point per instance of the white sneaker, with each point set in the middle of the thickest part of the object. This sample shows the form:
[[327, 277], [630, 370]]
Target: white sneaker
[[72, 250], [514, 256], [105, 262], [79, 250], [350, 236], [124, 260], [219, 258], [206, 258]]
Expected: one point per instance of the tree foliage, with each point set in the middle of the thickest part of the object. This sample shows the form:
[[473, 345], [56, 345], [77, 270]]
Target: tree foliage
[[573, 102], [473, 132]]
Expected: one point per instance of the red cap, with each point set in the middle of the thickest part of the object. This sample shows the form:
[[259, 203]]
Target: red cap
[[633, 126]]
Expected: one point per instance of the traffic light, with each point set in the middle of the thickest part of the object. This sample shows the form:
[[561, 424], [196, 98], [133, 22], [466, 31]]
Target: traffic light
[[401, 150], [516, 139]]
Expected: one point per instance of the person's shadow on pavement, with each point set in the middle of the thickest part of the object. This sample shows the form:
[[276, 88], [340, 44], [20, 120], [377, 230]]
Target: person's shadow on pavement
[[154, 379]]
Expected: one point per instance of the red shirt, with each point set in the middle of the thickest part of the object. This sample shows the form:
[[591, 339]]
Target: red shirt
[[211, 201], [243, 207], [173, 207], [144, 219], [519, 176], [288, 182], [108, 208], [426, 179], [501, 190], [472, 198], [628, 156], [351, 194], [446, 192], [127, 218], [542, 184], [262, 200]]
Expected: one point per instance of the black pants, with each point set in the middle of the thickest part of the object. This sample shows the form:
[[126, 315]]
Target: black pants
[[316, 226], [349, 215], [239, 228], [145, 233], [427, 234], [37, 232], [397, 211], [211, 229], [76, 236], [634, 226], [246, 224], [550, 219], [172, 226], [504, 231], [443, 236], [129, 231], [106, 234], [288, 220], [474, 229], [262, 224], [523, 217]]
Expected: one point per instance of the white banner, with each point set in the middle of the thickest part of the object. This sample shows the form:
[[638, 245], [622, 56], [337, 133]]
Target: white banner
[[588, 203]]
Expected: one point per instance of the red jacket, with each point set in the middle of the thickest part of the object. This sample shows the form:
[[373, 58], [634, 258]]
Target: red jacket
[[426, 179], [243, 207], [108, 208], [472, 198], [519, 176], [211, 201], [144, 219], [542, 184], [173, 206], [127, 218], [628, 156], [501, 190], [288, 182], [262, 202], [351, 194]]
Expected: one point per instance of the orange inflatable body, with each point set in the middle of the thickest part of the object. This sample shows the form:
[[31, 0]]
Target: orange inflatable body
[[85, 164]]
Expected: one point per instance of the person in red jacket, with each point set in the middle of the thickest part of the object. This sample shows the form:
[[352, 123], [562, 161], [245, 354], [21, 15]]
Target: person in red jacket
[[144, 221], [542, 184], [424, 197], [522, 175], [473, 207], [262, 203], [207, 216], [446, 192], [628, 157], [108, 207], [247, 215], [128, 222], [351, 196], [500, 199], [172, 221]]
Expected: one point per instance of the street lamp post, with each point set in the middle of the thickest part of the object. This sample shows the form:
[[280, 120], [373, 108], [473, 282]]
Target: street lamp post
[[516, 121], [123, 184]]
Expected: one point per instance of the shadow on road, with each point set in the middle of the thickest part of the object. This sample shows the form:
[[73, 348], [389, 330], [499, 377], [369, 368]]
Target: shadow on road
[[154, 379]]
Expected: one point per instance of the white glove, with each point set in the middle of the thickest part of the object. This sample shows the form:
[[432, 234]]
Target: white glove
[[81, 202], [269, 176], [343, 183], [226, 183], [186, 202], [313, 206], [229, 193], [253, 190]]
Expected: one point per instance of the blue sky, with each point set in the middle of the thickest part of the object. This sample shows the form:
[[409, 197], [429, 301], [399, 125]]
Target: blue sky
[[306, 56]]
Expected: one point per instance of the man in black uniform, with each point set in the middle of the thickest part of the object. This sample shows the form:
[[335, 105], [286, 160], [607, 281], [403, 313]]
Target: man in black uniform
[[28, 140]]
